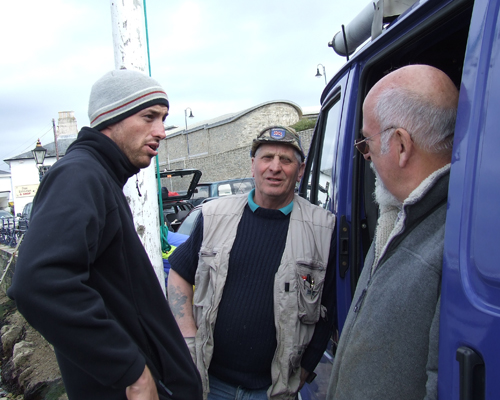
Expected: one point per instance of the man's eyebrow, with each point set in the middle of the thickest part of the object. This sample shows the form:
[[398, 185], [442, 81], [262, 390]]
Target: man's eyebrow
[[156, 112]]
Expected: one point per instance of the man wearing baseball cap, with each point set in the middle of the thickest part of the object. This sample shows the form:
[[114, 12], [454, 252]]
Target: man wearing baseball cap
[[83, 278], [263, 305]]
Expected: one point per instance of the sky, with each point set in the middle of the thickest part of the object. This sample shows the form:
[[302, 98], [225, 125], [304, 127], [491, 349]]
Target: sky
[[213, 56]]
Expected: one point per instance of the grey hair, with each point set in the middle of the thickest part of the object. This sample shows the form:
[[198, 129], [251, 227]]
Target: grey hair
[[296, 152], [431, 126]]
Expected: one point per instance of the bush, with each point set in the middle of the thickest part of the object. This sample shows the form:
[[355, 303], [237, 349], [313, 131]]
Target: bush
[[304, 124]]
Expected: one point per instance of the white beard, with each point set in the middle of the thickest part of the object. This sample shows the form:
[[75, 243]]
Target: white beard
[[382, 196], [389, 208]]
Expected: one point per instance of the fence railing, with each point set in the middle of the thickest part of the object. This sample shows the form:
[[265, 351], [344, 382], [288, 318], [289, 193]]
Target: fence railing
[[11, 229]]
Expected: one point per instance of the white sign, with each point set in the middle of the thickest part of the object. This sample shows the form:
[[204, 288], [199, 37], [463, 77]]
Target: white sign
[[26, 190]]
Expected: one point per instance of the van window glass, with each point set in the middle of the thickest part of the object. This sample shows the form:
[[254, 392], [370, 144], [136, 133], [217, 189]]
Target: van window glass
[[224, 189], [242, 187], [201, 192], [328, 144]]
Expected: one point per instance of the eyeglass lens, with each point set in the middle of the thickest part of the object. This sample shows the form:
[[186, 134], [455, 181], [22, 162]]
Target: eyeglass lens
[[361, 145]]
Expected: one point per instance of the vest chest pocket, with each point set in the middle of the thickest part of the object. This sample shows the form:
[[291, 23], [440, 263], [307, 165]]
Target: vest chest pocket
[[204, 276], [310, 281]]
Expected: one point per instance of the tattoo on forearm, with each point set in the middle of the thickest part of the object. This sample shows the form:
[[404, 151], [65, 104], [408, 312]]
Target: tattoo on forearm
[[177, 301]]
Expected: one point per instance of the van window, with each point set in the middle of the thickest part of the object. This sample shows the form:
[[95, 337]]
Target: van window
[[242, 187], [201, 192], [323, 184], [224, 189]]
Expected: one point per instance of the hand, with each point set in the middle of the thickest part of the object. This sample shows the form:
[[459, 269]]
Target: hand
[[303, 376], [144, 388]]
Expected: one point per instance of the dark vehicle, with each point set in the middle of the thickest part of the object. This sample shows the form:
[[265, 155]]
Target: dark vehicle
[[26, 214], [24, 217], [187, 225], [460, 37], [175, 212], [177, 186], [5, 214], [221, 188]]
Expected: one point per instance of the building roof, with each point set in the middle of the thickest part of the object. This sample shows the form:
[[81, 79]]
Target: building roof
[[62, 146], [227, 118]]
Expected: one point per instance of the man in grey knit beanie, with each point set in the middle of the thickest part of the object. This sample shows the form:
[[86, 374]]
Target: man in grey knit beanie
[[92, 292]]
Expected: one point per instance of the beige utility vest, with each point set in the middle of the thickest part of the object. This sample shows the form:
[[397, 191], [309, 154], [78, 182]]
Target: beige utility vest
[[297, 304]]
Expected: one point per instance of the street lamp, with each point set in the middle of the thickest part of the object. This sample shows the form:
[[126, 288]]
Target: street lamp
[[186, 121], [318, 74], [39, 156]]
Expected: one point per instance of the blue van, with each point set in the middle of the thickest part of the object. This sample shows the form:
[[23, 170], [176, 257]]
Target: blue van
[[462, 38]]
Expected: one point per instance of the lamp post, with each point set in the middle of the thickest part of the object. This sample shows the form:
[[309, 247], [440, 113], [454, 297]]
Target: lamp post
[[39, 153], [185, 120], [318, 74]]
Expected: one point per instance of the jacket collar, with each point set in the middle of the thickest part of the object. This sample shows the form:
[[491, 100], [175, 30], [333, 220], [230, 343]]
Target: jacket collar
[[107, 152]]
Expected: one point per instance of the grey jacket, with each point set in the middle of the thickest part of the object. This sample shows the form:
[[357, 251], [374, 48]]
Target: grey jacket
[[389, 344]]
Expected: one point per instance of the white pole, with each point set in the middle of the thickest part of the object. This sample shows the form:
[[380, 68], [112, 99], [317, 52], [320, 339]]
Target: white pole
[[130, 47]]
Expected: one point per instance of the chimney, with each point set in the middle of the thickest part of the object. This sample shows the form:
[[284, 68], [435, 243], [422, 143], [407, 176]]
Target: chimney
[[66, 125]]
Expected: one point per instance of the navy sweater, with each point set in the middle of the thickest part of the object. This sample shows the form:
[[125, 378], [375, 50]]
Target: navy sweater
[[245, 334]]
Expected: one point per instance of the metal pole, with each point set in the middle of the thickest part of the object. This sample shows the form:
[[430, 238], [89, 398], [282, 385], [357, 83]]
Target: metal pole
[[187, 136], [55, 138], [318, 74], [129, 40]]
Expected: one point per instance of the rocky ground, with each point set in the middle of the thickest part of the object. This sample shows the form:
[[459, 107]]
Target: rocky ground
[[29, 366]]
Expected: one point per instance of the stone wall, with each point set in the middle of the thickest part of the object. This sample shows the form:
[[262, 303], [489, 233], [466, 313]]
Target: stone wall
[[29, 365]]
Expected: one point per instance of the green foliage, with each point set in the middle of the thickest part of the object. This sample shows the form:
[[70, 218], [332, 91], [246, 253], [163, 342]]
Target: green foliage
[[304, 124]]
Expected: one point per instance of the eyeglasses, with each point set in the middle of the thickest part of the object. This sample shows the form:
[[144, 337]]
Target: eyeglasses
[[362, 144]]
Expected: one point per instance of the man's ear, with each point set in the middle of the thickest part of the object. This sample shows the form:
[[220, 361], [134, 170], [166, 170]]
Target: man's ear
[[405, 146], [301, 171]]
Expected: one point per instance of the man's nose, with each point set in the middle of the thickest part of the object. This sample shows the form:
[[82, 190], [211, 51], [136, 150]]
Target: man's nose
[[367, 156], [276, 164], [159, 130]]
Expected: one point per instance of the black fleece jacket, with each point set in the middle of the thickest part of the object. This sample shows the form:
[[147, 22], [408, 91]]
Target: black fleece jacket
[[85, 282]]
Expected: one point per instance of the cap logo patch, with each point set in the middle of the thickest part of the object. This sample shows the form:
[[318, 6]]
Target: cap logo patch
[[278, 133]]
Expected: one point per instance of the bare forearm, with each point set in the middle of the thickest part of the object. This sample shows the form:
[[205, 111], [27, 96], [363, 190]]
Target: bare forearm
[[180, 298]]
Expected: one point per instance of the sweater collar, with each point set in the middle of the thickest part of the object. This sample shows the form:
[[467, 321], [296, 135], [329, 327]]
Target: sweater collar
[[107, 152], [285, 210]]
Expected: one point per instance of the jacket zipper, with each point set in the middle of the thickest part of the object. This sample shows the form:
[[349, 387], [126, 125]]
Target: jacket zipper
[[361, 298], [360, 301]]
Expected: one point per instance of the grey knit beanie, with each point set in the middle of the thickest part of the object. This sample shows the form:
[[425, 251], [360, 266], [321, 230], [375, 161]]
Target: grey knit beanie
[[120, 94]]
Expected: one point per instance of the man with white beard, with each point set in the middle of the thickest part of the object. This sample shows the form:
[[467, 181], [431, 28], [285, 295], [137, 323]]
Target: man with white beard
[[389, 344]]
